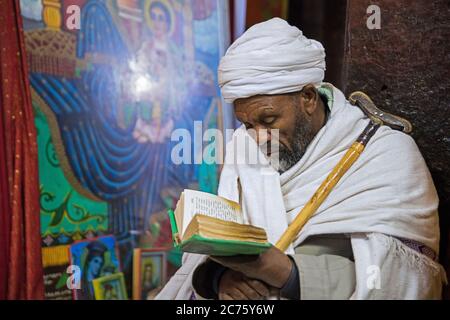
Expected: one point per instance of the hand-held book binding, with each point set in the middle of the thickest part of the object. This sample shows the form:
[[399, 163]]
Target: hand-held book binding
[[208, 224]]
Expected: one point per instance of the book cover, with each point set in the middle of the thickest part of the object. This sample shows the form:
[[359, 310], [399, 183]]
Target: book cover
[[208, 224]]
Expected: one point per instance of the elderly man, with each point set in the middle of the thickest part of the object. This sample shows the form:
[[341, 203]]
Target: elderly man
[[374, 237]]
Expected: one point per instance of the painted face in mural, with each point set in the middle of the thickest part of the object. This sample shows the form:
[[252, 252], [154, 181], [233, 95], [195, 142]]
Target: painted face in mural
[[110, 292], [161, 19], [148, 276], [95, 259], [95, 266]]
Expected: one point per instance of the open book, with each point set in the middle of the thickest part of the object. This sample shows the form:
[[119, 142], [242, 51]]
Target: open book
[[208, 224]]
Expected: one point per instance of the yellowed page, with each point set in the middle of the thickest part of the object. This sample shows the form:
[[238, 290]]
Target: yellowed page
[[196, 202]]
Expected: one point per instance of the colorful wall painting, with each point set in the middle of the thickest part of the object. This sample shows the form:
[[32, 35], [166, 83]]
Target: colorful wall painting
[[96, 258], [56, 260], [66, 215], [110, 287], [107, 96]]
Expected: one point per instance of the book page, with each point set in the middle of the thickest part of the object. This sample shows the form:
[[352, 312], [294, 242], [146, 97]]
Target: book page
[[196, 202]]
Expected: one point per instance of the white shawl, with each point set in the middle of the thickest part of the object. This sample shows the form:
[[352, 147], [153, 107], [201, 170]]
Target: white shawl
[[387, 192]]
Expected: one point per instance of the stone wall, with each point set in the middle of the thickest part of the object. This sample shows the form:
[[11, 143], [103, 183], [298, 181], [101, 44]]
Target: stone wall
[[403, 66]]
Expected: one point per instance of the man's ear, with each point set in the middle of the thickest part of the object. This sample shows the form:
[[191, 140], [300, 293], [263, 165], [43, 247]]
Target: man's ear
[[309, 97]]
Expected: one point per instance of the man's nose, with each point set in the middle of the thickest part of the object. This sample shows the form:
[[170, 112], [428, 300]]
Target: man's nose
[[260, 135]]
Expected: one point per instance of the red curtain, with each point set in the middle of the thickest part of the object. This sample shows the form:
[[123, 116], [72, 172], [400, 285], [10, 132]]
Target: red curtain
[[21, 275]]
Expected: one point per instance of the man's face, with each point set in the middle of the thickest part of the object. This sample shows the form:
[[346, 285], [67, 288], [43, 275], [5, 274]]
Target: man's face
[[283, 112]]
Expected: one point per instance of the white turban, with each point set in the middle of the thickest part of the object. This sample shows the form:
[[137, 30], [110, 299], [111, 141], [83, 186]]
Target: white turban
[[271, 57]]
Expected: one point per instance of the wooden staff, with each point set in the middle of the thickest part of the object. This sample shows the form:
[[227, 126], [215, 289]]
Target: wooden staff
[[377, 118], [327, 185]]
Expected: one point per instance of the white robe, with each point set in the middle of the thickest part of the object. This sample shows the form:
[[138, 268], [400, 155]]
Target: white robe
[[387, 193]]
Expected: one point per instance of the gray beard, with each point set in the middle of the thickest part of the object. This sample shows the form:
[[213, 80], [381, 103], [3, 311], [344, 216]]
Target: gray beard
[[304, 134]]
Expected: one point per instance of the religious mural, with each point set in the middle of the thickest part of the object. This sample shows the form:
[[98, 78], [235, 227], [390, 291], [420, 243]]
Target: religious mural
[[107, 95], [96, 258], [65, 214]]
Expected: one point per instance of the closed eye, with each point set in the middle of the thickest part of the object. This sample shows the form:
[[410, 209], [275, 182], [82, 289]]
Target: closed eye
[[269, 120]]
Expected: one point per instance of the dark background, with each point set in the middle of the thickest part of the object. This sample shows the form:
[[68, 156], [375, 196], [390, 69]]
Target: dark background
[[403, 67]]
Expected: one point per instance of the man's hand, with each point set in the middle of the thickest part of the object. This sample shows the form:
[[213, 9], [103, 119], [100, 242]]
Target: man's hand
[[235, 286], [272, 267]]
